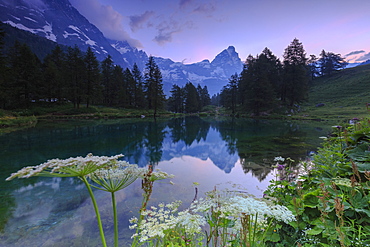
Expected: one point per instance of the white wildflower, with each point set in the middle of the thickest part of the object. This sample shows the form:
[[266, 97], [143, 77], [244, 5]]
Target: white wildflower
[[235, 207], [159, 219], [133, 220], [281, 213], [160, 175], [192, 223], [115, 178], [279, 159]]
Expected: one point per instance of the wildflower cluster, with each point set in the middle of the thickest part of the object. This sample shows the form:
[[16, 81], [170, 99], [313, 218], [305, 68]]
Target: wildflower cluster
[[238, 205], [216, 211], [158, 220]]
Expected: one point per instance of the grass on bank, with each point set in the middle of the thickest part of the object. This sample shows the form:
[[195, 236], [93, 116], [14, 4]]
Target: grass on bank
[[9, 120], [21, 118], [343, 95]]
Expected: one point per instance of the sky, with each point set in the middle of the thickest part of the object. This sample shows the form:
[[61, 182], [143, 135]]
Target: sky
[[190, 31]]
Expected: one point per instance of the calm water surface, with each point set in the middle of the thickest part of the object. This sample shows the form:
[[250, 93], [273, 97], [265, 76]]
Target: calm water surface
[[58, 212]]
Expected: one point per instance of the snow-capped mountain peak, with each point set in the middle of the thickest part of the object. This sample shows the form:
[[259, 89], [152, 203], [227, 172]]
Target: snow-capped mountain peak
[[59, 21]]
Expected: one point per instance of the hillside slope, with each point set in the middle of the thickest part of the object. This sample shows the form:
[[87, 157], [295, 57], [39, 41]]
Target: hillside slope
[[343, 94]]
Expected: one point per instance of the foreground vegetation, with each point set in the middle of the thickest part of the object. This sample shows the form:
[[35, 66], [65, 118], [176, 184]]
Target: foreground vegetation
[[329, 196]]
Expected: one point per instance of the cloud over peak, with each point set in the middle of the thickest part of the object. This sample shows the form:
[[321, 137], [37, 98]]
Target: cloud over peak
[[165, 31], [106, 19], [138, 21]]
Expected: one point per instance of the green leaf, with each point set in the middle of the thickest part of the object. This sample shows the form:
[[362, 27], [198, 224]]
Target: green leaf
[[360, 153], [363, 167], [362, 210], [314, 231], [311, 200], [274, 237], [301, 225]]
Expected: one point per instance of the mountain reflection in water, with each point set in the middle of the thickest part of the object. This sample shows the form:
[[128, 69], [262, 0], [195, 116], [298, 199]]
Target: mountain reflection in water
[[58, 212]]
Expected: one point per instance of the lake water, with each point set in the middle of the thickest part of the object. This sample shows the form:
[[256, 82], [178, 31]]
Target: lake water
[[212, 152]]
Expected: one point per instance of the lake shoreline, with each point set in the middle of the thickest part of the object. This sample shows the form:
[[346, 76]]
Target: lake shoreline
[[15, 120]]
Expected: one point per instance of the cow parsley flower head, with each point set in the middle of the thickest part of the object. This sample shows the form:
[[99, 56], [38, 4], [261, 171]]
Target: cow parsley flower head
[[117, 177], [71, 167], [192, 223], [159, 175]]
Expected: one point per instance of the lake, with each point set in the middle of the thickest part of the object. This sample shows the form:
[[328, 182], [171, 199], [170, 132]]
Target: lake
[[212, 152]]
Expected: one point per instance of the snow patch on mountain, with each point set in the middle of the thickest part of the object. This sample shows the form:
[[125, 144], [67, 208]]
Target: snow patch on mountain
[[19, 26], [195, 78], [48, 29], [29, 19]]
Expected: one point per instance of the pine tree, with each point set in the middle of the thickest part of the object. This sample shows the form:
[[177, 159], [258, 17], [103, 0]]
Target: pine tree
[[93, 88], [75, 76], [229, 93], [3, 73], [153, 86], [256, 86], [176, 100], [54, 78], [330, 62], [118, 90], [295, 84], [215, 99], [25, 76], [204, 98], [107, 68], [139, 101], [313, 66], [50, 72], [191, 98], [273, 68], [130, 85]]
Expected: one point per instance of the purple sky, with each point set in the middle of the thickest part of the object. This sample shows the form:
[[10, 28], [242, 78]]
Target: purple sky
[[192, 30]]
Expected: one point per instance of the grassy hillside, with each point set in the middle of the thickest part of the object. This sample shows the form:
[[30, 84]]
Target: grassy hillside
[[344, 95]]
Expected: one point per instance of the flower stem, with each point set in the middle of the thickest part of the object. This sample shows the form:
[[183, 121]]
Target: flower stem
[[96, 210], [115, 220], [254, 230]]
